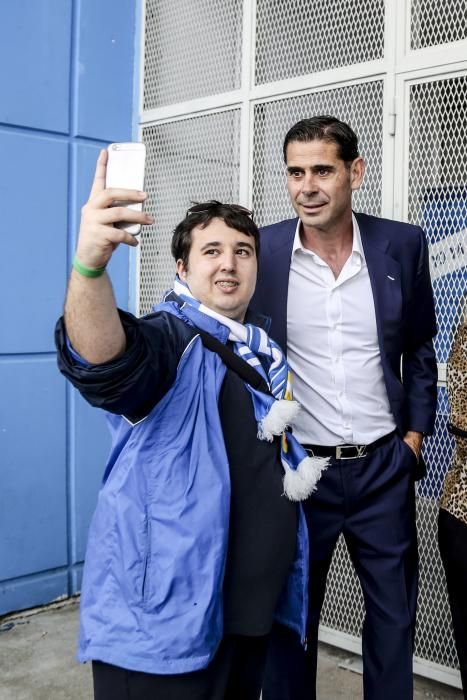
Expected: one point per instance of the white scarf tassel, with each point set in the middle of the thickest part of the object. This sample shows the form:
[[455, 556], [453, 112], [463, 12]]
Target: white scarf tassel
[[301, 482], [280, 416]]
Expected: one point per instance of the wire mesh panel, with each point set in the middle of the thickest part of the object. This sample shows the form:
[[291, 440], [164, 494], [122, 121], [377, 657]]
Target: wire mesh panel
[[434, 22], [437, 201], [359, 105], [192, 49], [434, 640], [343, 607], [295, 38], [437, 194], [188, 160]]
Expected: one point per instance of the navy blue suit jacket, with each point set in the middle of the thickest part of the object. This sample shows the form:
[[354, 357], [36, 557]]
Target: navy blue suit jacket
[[397, 260]]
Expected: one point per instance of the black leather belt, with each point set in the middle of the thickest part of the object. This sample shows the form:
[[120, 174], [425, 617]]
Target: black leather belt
[[347, 451]]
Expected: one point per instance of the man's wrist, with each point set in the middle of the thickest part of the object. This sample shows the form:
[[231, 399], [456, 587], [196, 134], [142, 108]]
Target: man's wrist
[[415, 440], [86, 271]]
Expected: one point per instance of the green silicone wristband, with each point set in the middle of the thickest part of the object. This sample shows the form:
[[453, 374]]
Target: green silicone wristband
[[87, 271]]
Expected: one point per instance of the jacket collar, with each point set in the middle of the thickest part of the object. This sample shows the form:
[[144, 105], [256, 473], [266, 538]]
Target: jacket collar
[[371, 233]]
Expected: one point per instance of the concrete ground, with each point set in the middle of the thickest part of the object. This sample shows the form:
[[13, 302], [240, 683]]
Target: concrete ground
[[37, 662]]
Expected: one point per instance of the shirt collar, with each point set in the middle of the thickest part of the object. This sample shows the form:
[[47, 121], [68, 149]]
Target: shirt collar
[[357, 246]]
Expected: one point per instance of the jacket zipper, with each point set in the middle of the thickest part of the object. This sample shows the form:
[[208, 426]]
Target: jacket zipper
[[146, 559]]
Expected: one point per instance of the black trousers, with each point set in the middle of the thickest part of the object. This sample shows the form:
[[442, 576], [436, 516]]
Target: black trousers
[[235, 673], [372, 502], [452, 538]]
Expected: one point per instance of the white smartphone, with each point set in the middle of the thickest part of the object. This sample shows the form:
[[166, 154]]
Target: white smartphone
[[125, 168]]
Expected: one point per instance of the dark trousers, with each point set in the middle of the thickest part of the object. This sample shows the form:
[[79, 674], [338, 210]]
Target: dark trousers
[[372, 502], [236, 672], [452, 537]]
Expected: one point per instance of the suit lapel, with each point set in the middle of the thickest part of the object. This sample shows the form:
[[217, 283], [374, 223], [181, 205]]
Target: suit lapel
[[385, 278], [280, 252]]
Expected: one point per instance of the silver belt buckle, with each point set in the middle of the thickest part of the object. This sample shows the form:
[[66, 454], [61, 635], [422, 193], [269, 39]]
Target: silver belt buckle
[[360, 451]]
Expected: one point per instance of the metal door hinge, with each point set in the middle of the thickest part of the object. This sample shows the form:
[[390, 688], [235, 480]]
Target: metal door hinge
[[392, 118]]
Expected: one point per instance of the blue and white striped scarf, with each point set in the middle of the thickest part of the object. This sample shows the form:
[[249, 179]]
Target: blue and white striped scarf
[[274, 413]]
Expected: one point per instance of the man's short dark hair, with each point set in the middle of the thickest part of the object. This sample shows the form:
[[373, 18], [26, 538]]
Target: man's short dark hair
[[201, 214], [325, 128]]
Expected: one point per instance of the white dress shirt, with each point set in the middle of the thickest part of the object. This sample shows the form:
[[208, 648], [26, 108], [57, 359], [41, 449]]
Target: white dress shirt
[[333, 351]]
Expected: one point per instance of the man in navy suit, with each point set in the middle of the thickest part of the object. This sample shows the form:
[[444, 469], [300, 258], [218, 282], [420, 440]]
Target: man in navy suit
[[350, 298]]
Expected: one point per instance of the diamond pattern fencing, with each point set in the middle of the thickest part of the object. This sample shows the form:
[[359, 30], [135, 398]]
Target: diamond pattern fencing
[[434, 640], [434, 22], [359, 105], [437, 201], [296, 38], [192, 49], [437, 194], [188, 160]]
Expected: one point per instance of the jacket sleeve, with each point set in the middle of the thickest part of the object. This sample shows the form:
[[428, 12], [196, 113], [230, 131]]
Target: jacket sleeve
[[419, 369], [135, 382]]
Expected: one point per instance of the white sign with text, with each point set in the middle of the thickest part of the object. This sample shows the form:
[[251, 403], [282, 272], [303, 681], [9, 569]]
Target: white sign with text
[[448, 255]]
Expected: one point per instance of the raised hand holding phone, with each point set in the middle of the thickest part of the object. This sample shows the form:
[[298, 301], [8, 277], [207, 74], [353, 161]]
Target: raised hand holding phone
[[125, 169], [91, 316], [105, 217]]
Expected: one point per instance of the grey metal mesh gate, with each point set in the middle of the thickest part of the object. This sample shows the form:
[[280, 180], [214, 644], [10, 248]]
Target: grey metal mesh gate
[[436, 23], [192, 49], [222, 84], [188, 160], [437, 198], [294, 38]]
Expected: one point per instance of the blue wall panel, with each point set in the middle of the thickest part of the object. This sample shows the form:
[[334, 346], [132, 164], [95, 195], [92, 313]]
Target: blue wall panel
[[76, 578], [35, 58], [66, 91], [33, 271], [33, 513], [33, 591], [105, 78], [91, 449]]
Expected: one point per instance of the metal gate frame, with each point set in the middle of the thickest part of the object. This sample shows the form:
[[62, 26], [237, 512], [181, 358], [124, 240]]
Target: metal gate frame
[[398, 69]]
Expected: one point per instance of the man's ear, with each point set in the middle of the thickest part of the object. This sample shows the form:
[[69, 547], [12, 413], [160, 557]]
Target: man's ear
[[357, 172], [181, 269]]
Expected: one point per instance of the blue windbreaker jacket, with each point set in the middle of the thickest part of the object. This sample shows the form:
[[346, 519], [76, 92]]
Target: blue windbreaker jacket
[[151, 596]]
